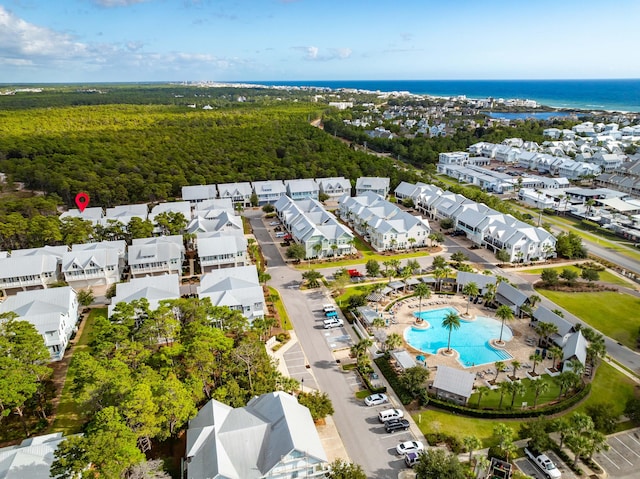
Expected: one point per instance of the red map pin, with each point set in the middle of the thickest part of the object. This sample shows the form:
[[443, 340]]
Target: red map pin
[[82, 201]]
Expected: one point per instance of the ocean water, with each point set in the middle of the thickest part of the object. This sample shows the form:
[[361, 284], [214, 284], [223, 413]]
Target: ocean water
[[617, 95]]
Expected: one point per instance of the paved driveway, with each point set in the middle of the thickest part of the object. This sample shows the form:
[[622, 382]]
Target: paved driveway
[[529, 468], [622, 460]]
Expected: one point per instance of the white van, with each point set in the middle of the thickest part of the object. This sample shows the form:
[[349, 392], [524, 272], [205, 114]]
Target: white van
[[328, 307], [332, 323], [388, 414]]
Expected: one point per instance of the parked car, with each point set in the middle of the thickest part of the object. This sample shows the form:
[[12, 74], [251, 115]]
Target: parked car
[[393, 425], [376, 399], [328, 307], [409, 446], [388, 414], [332, 323], [274, 223], [280, 234], [331, 314], [412, 458], [543, 463]]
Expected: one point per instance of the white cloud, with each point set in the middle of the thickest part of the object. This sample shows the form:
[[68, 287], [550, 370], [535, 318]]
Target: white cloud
[[313, 53]]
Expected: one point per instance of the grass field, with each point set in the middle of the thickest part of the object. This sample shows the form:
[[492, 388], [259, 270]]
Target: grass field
[[606, 276], [284, 317], [68, 418], [613, 314], [611, 387], [492, 398]]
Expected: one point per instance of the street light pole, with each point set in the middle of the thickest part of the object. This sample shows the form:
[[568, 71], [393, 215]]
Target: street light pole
[[302, 385]]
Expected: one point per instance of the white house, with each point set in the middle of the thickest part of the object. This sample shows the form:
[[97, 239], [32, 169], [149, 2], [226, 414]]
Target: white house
[[223, 222], [269, 191], [182, 207], [273, 436], [92, 213], [221, 250], [124, 213], [238, 193], [334, 187], [384, 224], [99, 267], [153, 288], [53, 312], [302, 189], [31, 459], [374, 184], [153, 256], [237, 288], [197, 193], [28, 272]]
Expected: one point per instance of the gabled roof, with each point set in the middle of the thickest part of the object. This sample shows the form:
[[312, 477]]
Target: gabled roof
[[230, 190], [481, 280], [154, 253], [88, 259], [21, 266], [128, 211], [509, 295], [31, 459], [57, 251], [221, 244], [269, 187], [120, 246], [248, 442], [183, 207], [372, 183], [199, 192], [153, 288], [454, 381], [41, 307], [544, 315], [237, 286], [303, 185], [576, 346]]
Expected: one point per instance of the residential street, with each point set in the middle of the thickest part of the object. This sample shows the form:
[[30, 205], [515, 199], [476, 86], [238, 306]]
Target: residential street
[[364, 437]]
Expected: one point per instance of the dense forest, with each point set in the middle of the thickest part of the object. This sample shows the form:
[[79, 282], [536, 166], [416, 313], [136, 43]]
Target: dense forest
[[138, 153]]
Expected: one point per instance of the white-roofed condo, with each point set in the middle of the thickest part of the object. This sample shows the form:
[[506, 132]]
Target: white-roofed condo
[[273, 436]]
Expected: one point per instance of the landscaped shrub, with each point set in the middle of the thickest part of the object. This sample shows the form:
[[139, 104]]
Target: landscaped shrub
[[369, 386], [566, 459], [392, 378]]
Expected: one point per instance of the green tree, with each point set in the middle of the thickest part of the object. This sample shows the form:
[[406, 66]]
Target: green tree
[[471, 290], [85, 297], [439, 262], [75, 230], [459, 257], [481, 391], [171, 223], [517, 389], [413, 380], [421, 291], [340, 469], [313, 278], [503, 256], [537, 433], [436, 238], [438, 464], [471, 443], [569, 245], [296, 252], [451, 321], [268, 208], [603, 416], [373, 268], [393, 341], [536, 358], [318, 403], [569, 275], [139, 228], [590, 275], [504, 313], [549, 276], [446, 223]]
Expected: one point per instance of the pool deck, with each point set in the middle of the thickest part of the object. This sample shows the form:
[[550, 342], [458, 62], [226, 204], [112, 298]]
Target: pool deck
[[520, 347]]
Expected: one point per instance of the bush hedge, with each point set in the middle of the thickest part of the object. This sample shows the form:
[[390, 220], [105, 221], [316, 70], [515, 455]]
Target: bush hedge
[[369, 386], [390, 375]]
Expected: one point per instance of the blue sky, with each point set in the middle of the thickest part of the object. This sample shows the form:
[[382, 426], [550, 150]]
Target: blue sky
[[236, 40]]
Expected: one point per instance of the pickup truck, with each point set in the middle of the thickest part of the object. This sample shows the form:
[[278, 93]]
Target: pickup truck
[[543, 463]]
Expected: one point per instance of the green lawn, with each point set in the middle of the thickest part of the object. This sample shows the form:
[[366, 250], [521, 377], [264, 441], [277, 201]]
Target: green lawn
[[68, 417], [282, 312], [614, 314], [610, 386], [430, 421], [606, 276], [491, 400]]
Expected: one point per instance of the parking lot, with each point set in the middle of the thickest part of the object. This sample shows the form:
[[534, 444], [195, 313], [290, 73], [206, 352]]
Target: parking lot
[[622, 460], [530, 469]]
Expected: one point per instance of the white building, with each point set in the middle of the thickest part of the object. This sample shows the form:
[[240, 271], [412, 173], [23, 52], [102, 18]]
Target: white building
[[197, 193], [153, 288], [268, 192], [31, 459], [154, 256], [273, 436], [237, 288], [374, 184], [334, 187], [238, 193], [221, 250], [98, 267], [53, 312]]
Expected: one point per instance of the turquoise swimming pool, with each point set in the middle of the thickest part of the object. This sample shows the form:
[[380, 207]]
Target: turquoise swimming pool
[[471, 341]]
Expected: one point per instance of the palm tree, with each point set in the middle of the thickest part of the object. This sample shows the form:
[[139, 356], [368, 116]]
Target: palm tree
[[412, 242], [576, 366], [421, 291], [481, 391], [539, 387], [317, 248], [505, 387], [534, 299], [394, 341], [515, 364], [517, 389], [451, 321], [555, 352], [536, 358], [471, 443], [470, 289], [596, 350], [439, 274], [545, 330], [489, 294], [499, 367], [504, 313]]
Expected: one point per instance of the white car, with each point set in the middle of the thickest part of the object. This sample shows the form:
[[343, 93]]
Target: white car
[[332, 323], [409, 446], [376, 399], [274, 223]]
